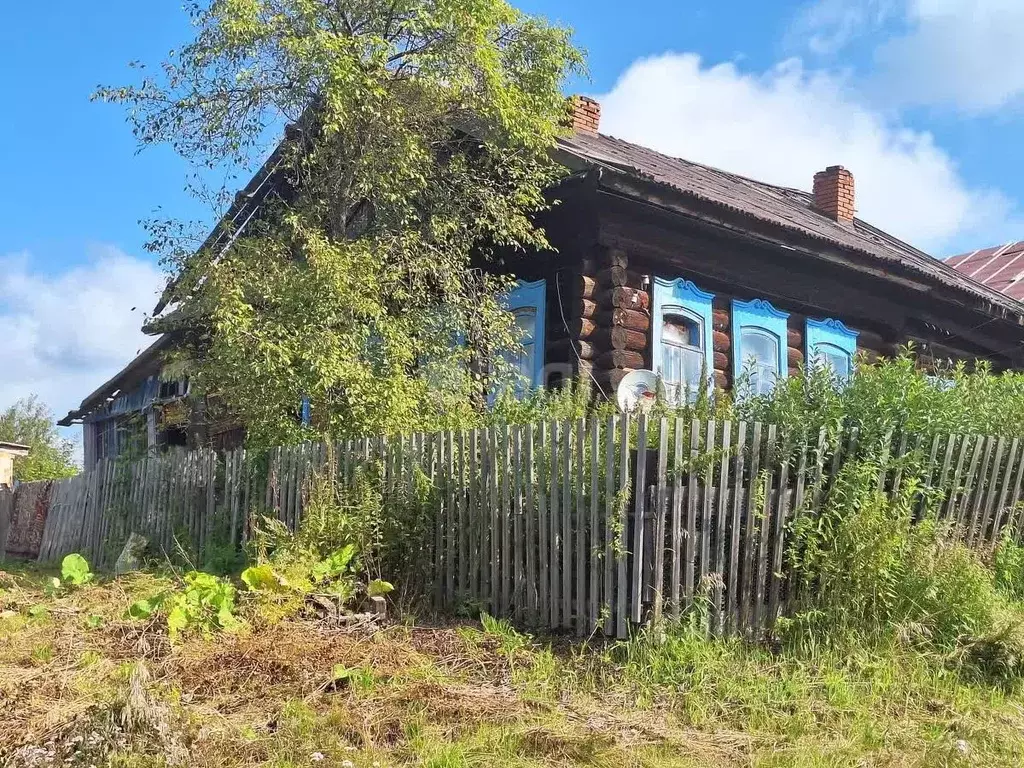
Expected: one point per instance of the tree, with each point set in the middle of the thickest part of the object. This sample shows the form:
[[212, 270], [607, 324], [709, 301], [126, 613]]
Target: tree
[[418, 148], [30, 422]]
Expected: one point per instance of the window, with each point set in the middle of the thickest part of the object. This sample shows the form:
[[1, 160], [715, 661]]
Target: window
[[527, 303], [830, 344], [759, 347], [683, 352], [524, 360]]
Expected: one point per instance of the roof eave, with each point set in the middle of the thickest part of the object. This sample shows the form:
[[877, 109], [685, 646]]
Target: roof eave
[[102, 393], [633, 184]]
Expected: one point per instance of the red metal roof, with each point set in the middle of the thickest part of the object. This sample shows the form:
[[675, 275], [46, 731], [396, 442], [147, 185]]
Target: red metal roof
[[1000, 267]]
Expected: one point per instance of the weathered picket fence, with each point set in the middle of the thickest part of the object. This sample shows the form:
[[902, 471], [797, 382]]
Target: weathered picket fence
[[587, 525]]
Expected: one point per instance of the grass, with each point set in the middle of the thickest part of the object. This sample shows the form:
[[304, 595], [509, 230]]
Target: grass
[[82, 685]]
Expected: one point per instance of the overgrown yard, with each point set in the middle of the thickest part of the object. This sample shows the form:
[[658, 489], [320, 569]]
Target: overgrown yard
[[82, 684]]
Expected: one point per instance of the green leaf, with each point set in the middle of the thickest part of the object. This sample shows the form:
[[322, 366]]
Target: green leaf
[[336, 565], [93, 621], [140, 609], [263, 578], [340, 673], [379, 588], [177, 620], [38, 611], [74, 569], [145, 608]]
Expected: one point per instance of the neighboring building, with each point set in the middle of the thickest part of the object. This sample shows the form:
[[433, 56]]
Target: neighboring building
[[134, 411], [1000, 267], [666, 264], [8, 453]]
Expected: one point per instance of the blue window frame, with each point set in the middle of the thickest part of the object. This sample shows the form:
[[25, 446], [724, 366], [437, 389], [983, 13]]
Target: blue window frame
[[683, 351], [759, 357], [830, 343], [527, 302]]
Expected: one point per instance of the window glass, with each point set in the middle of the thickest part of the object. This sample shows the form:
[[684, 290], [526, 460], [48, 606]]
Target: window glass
[[682, 358], [761, 360], [524, 361], [835, 358]]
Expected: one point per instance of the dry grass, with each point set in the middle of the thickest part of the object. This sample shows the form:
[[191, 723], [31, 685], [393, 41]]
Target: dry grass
[[444, 696]]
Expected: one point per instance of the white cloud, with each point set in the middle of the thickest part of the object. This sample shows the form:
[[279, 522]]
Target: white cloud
[[968, 54], [826, 26], [783, 125], [62, 335]]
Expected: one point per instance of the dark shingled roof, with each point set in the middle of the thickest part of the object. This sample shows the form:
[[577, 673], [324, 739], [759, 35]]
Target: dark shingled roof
[[1000, 267], [791, 209]]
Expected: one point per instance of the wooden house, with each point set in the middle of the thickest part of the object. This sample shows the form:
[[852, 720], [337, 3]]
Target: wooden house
[[8, 453], [669, 265]]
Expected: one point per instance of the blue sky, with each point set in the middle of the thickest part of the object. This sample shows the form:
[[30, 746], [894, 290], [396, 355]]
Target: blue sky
[[919, 98]]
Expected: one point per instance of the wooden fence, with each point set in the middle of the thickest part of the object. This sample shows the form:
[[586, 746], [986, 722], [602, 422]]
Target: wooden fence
[[585, 525]]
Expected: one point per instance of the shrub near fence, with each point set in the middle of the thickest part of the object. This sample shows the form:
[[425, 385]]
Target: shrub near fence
[[585, 525]]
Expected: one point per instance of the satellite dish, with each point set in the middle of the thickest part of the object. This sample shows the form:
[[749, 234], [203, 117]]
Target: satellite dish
[[638, 391]]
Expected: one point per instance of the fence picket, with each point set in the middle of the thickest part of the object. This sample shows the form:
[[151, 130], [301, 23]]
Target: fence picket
[[610, 525], [677, 517], [1011, 464], [990, 499], [660, 512], [690, 545], [580, 553], [965, 502], [955, 489], [518, 580], [973, 518], [639, 509], [530, 481], [506, 524], [621, 584], [748, 565], [721, 541], [476, 493], [707, 504], [449, 518], [778, 534], [554, 519], [733, 581], [543, 527], [566, 525], [493, 532], [764, 530], [594, 550]]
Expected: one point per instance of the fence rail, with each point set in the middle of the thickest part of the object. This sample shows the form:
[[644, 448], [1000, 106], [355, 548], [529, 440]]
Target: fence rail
[[587, 525]]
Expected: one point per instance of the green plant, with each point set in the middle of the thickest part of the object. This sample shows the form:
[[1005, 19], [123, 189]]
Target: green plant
[[379, 588], [263, 578], [145, 608], [204, 604], [74, 569], [335, 565], [1008, 566], [30, 422], [421, 143]]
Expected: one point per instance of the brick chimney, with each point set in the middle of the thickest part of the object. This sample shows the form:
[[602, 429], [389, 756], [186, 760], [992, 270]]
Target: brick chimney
[[586, 115], [833, 193]]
